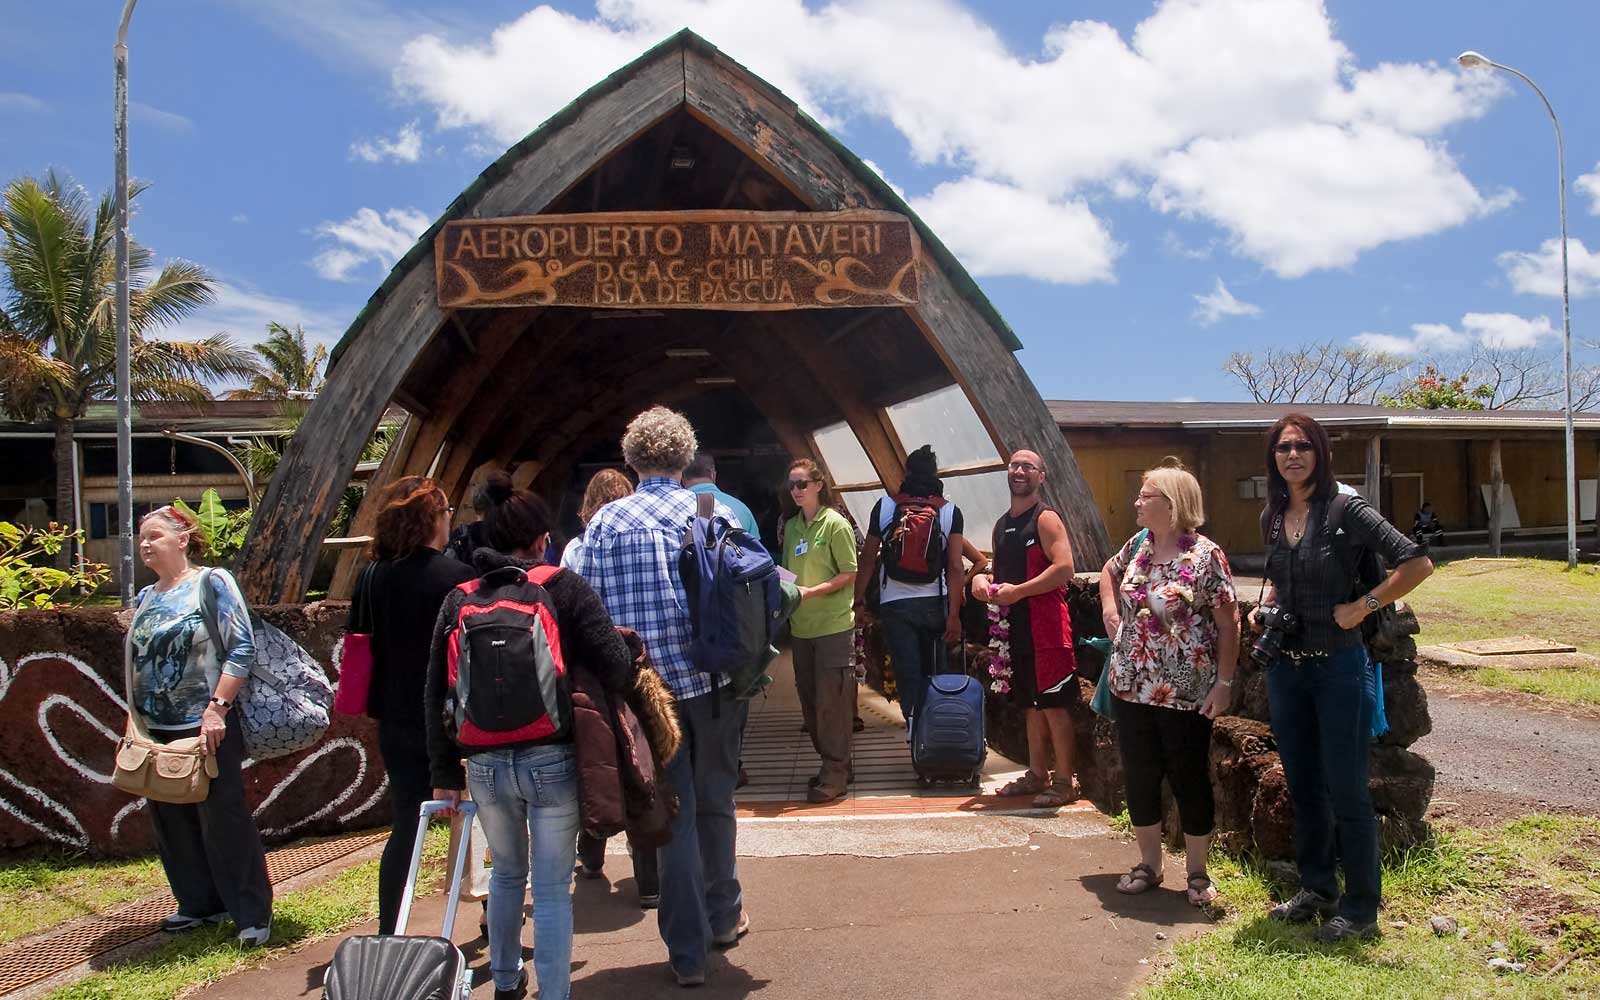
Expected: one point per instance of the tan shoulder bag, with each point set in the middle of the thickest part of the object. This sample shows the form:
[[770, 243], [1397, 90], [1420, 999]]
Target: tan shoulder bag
[[177, 772]]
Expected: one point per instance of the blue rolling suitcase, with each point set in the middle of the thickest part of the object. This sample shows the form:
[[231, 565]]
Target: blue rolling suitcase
[[947, 732]]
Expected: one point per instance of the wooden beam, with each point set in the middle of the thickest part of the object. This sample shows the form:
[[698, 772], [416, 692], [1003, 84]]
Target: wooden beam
[[394, 460], [1372, 477], [285, 534], [1497, 478]]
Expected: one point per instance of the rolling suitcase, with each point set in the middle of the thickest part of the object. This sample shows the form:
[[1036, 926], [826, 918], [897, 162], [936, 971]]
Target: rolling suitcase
[[947, 731], [401, 966]]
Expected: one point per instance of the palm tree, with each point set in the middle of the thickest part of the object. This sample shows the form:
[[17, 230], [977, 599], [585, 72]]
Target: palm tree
[[290, 371], [58, 327]]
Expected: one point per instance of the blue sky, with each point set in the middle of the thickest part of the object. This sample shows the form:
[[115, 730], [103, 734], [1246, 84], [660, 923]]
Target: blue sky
[[1142, 188]]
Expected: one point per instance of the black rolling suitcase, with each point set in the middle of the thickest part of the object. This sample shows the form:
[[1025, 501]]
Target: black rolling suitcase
[[402, 966]]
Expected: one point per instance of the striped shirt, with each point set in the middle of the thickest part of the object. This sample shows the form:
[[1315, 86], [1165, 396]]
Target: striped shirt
[[630, 557]]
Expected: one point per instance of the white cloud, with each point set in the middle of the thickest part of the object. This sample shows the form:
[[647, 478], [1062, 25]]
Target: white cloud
[[1251, 115], [240, 218], [367, 237], [997, 229], [11, 100], [1540, 273], [167, 121], [243, 312], [367, 32], [1173, 246], [1218, 303], [1506, 331], [1589, 184], [405, 147]]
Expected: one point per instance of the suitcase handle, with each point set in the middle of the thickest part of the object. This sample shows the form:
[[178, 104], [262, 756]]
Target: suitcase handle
[[431, 808]]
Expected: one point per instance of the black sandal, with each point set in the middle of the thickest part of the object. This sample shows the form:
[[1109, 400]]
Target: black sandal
[[1199, 885], [1141, 875]]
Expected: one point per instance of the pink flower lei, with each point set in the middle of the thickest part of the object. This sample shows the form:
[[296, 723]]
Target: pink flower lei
[[1000, 646], [1136, 583]]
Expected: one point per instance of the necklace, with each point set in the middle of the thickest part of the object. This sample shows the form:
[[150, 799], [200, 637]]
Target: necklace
[[1295, 531]]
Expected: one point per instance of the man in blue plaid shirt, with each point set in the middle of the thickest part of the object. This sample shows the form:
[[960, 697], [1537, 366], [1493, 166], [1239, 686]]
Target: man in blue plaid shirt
[[630, 557]]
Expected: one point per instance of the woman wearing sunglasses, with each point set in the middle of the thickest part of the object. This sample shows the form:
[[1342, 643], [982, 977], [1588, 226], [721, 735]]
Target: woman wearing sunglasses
[[1319, 681]]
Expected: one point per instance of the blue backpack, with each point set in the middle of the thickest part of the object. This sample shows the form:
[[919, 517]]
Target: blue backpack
[[735, 599]]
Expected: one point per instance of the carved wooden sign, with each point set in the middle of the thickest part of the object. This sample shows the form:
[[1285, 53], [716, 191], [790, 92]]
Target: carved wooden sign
[[680, 260]]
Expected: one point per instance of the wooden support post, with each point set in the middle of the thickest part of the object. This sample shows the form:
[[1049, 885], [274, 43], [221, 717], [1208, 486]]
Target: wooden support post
[[1497, 480], [1373, 478]]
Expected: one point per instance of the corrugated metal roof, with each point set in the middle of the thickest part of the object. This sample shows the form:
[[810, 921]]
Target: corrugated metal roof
[[1137, 413]]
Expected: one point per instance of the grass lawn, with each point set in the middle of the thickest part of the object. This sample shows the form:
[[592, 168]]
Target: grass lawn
[[1531, 886], [42, 892], [1490, 598], [197, 958]]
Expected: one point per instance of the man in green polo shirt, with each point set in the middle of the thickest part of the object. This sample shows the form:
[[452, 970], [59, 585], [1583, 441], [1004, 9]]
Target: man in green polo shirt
[[819, 548]]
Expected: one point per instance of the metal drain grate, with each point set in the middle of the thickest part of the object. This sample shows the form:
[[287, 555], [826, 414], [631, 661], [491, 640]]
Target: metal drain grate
[[41, 958]]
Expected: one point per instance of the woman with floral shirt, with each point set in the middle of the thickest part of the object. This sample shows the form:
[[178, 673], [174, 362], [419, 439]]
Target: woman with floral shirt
[[1168, 602]]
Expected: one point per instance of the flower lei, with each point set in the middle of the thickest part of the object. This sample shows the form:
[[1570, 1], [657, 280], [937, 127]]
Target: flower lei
[[1000, 645], [1136, 584]]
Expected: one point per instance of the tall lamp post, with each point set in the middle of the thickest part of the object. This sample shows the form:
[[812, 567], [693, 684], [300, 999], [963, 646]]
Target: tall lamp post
[[1477, 60], [124, 346]]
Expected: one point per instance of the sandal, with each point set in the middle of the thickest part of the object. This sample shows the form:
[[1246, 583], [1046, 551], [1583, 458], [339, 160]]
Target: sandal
[[1028, 784], [1202, 891], [1140, 878], [1058, 794]]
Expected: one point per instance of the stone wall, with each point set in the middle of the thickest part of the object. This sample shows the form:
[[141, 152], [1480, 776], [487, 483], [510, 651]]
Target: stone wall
[[62, 711], [1253, 809]]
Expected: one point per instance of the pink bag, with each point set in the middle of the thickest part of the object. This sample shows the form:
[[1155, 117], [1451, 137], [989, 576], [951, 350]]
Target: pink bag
[[355, 653]]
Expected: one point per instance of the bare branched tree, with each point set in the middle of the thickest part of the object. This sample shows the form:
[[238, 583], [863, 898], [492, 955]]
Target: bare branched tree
[[1316, 373], [1521, 378]]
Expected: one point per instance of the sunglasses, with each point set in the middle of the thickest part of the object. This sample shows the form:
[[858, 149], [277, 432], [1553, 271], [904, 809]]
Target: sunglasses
[[1292, 447], [800, 484]]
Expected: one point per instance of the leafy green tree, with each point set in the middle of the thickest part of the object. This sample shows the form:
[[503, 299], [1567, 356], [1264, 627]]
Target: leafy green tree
[[1430, 390], [26, 584], [58, 322], [222, 531], [290, 370]]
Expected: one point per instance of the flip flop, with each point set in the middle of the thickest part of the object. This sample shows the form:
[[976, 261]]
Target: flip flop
[[1140, 878], [1202, 891]]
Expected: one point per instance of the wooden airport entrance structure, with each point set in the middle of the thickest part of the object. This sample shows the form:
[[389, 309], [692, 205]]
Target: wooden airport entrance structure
[[681, 228]]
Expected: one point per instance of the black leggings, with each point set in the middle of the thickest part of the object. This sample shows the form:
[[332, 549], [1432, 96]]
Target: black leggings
[[1169, 743], [405, 758]]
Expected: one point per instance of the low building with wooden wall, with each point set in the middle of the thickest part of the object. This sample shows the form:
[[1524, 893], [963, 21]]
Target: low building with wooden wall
[[1447, 457]]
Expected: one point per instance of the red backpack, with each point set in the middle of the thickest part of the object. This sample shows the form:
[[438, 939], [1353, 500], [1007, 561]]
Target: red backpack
[[914, 542], [508, 683]]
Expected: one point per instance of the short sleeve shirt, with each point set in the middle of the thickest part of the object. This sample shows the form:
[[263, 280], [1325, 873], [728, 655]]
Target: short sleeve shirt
[[898, 590], [1165, 653], [816, 553]]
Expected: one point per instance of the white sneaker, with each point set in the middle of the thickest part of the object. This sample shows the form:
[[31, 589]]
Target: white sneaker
[[255, 937]]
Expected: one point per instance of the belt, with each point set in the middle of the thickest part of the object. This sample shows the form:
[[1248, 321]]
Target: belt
[[1297, 656]]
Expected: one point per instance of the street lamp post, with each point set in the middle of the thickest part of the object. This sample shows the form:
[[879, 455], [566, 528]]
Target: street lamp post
[[124, 346], [1476, 60]]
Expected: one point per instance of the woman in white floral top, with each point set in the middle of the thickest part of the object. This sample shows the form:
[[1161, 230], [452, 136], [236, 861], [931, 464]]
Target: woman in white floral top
[[1168, 602]]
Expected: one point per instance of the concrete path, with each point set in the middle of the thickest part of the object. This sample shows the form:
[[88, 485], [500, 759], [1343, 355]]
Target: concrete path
[[1503, 755]]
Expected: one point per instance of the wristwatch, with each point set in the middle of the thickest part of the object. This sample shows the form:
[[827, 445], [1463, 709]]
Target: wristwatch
[[1371, 602], [222, 703]]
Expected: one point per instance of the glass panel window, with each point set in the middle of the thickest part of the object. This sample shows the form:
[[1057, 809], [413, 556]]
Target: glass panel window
[[846, 460], [983, 498], [860, 504], [944, 419]]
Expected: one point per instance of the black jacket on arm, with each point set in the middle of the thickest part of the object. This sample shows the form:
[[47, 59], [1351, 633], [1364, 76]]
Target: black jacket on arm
[[405, 595]]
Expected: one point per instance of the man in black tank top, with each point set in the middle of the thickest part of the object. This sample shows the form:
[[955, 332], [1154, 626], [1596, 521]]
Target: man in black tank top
[[1032, 564]]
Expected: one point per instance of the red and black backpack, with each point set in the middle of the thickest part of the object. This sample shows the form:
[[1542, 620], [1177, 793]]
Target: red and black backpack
[[914, 540], [508, 683]]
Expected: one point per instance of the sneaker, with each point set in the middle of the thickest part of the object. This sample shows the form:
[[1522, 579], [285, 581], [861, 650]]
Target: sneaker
[[730, 938], [1344, 929], [649, 901], [690, 978], [1303, 907], [517, 992], [179, 922], [255, 937], [483, 922]]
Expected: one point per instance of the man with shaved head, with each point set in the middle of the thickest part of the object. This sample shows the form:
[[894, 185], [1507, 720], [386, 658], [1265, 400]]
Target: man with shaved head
[[1032, 564]]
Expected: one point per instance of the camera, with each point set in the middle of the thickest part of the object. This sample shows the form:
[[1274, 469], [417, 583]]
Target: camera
[[1276, 623]]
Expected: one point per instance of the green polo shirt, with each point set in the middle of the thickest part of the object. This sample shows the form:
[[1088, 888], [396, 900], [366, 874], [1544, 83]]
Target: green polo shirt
[[816, 553]]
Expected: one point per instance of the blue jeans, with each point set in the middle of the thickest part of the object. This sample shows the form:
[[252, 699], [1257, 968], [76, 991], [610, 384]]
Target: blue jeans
[[913, 629], [1322, 719], [517, 791], [700, 894]]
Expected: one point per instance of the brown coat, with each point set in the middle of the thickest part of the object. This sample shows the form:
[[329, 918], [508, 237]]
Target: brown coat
[[622, 745]]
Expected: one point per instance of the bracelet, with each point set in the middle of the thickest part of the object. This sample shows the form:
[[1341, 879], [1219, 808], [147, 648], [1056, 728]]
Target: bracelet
[[1225, 683]]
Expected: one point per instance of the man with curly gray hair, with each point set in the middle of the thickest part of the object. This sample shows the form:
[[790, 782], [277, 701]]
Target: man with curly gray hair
[[630, 556]]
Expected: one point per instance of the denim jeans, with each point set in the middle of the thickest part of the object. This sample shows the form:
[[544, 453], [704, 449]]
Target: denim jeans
[[531, 789], [1321, 717], [913, 629], [700, 894]]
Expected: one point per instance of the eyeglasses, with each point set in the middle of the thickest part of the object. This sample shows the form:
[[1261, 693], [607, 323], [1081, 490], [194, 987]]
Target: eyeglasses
[[1149, 497], [1292, 447], [1023, 467]]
